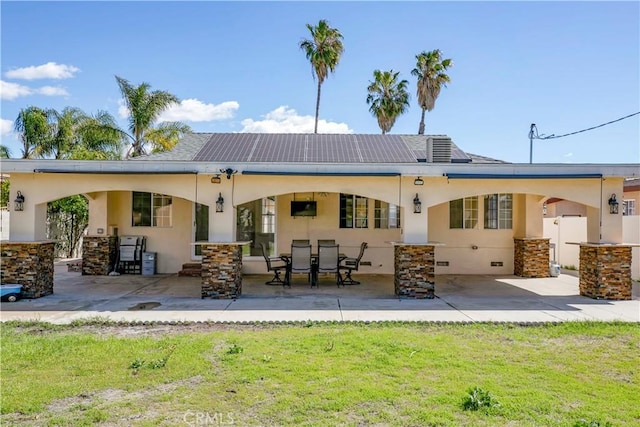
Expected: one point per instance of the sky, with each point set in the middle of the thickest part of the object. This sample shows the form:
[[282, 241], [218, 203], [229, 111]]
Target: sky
[[237, 67]]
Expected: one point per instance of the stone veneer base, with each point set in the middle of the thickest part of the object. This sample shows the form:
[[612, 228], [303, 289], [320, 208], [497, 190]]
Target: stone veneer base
[[98, 255], [29, 264], [531, 257], [414, 267], [605, 271], [221, 270]]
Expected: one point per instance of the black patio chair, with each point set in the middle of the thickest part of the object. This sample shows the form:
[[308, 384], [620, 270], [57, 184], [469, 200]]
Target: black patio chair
[[275, 265], [301, 262], [350, 265], [328, 262]]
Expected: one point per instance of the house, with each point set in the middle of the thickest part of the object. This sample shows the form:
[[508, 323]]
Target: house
[[424, 206]]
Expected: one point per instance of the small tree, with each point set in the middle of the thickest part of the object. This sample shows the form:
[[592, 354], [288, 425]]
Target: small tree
[[67, 219]]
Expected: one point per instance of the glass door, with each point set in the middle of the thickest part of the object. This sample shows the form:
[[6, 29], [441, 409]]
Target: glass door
[[200, 228]]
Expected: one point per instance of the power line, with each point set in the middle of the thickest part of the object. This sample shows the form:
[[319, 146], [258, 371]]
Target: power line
[[534, 135]]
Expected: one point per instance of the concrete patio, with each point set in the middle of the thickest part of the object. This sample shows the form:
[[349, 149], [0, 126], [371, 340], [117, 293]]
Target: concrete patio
[[458, 299]]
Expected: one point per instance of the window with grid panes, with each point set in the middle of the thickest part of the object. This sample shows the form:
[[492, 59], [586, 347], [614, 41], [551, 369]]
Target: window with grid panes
[[353, 211], [498, 211]]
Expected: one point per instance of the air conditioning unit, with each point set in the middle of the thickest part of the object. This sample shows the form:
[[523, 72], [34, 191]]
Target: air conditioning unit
[[438, 149]]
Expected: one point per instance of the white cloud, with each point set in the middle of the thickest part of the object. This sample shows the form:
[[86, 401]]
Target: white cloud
[[568, 155], [6, 127], [13, 90], [123, 110], [52, 91], [287, 120], [194, 110], [50, 70]]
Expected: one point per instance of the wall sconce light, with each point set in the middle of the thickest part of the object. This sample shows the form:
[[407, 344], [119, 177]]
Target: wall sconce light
[[229, 172], [220, 203], [613, 204], [19, 202], [417, 205], [216, 179], [418, 181]]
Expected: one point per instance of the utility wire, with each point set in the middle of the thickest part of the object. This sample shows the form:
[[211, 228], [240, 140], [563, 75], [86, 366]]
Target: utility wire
[[534, 135]]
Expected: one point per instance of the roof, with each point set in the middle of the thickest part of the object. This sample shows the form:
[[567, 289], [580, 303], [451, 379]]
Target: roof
[[309, 148]]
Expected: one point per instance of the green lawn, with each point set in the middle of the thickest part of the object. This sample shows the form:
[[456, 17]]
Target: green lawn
[[320, 374]]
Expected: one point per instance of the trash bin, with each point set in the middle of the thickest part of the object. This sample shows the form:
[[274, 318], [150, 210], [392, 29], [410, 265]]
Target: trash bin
[[149, 263], [554, 269]]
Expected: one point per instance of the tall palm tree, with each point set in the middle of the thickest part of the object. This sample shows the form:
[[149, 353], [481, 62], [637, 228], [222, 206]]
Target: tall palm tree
[[34, 129], [5, 153], [323, 50], [431, 73], [388, 98], [144, 109]]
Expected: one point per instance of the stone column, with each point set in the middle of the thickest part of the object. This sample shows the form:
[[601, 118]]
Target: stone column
[[531, 257], [98, 255], [605, 271], [29, 264], [221, 270], [414, 266]]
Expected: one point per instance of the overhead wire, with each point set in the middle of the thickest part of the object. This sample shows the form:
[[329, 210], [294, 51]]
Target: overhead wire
[[533, 133]]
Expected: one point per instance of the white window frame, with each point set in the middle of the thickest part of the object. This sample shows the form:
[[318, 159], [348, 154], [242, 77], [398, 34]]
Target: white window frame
[[469, 213], [629, 207], [503, 209], [161, 210]]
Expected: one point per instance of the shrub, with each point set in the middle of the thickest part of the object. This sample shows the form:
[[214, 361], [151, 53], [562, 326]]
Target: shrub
[[478, 398]]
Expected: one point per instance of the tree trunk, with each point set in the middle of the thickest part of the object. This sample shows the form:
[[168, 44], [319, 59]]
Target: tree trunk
[[315, 130], [421, 128]]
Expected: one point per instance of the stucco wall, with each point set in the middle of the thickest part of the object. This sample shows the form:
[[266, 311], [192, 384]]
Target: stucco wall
[[570, 229], [172, 244], [492, 245]]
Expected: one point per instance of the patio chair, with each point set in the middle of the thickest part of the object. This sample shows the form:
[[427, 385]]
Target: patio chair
[[300, 261], [275, 265], [328, 262], [351, 264], [326, 242]]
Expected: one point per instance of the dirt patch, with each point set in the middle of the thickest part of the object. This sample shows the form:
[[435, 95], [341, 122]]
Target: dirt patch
[[145, 306], [104, 400]]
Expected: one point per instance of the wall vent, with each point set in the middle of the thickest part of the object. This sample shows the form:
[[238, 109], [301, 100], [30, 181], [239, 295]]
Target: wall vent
[[442, 263], [496, 264], [438, 149]]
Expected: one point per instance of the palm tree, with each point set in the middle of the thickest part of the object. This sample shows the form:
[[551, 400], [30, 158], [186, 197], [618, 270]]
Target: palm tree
[[5, 153], [34, 129], [144, 109], [430, 71], [388, 98], [323, 50]]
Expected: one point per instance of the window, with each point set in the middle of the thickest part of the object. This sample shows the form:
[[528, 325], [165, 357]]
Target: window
[[386, 215], [268, 215], [256, 223], [463, 213], [353, 211], [151, 210], [498, 211], [629, 207]]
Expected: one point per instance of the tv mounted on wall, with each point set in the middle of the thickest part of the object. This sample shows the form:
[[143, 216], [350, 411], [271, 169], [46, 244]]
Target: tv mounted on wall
[[304, 208]]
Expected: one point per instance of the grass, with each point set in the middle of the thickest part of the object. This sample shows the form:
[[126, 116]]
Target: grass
[[320, 374]]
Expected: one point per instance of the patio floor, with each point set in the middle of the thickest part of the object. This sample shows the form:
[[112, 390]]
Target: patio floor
[[458, 299]]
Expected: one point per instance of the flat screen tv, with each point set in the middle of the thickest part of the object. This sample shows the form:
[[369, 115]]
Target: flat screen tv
[[304, 208]]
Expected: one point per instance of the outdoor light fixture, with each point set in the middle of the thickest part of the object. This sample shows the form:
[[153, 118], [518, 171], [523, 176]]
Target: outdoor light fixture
[[19, 201], [220, 203], [418, 181], [417, 205], [215, 179], [613, 204], [229, 172]]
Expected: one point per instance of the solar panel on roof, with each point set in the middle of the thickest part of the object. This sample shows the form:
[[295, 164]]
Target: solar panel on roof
[[305, 148]]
